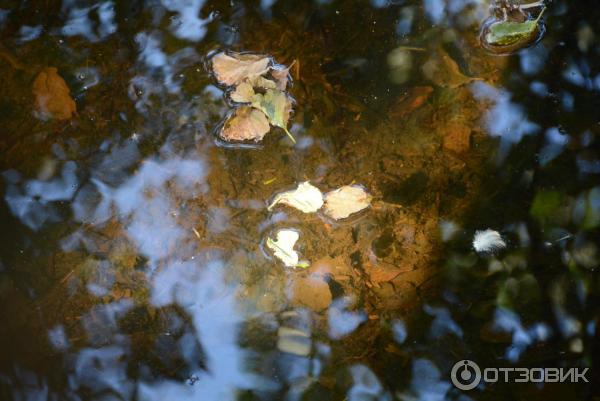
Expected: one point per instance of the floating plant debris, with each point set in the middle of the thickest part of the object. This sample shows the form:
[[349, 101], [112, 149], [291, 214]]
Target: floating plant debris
[[345, 201], [283, 248], [256, 80], [306, 198]]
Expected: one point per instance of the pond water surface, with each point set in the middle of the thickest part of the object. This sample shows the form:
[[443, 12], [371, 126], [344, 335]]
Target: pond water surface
[[133, 263]]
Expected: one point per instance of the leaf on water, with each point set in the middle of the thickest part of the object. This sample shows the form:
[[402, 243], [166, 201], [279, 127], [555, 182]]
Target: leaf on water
[[488, 241], [262, 82], [345, 201], [306, 198], [52, 96], [443, 71], [245, 124], [233, 68], [243, 93], [281, 74], [283, 248], [277, 107], [506, 33]]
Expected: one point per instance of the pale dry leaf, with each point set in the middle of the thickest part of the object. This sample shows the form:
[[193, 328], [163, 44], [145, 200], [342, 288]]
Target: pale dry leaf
[[261, 82], [245, 124], [306, 198], [283, 247], [243, 93], [345, 201], [52, 96], [233, 68]]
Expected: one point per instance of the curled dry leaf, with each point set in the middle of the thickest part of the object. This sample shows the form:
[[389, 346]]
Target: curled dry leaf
[[233, 68], [281, 74], [345, 201], [262, 82], [443, 71], [245, 124], [283, 248], [306, 198], [52, 96]]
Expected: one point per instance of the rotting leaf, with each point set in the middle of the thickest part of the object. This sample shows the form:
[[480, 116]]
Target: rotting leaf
[[52, 96], [243, 93], [277, 107], [245, 124], [345, 201], [507, 33], [233, 68], [306, 198], [283, 248], [443, 71]]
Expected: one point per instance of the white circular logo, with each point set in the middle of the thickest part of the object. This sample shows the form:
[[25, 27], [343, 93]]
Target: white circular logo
[[465, 374]]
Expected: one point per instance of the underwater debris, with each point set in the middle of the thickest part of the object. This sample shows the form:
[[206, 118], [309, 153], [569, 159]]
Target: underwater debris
[[52, 96]]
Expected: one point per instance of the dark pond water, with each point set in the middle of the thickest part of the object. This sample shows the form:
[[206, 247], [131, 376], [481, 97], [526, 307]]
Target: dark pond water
[[133, 263]]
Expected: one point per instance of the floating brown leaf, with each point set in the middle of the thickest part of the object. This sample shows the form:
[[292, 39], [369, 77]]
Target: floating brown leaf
[[245, 124], [233, 68], [52, 96], [243, 93], [345, 201], [443, 71]]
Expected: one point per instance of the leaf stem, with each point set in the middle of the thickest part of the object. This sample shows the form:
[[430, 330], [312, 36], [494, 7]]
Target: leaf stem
[[289, 135]]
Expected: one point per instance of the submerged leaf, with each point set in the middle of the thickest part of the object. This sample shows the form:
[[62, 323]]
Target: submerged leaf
[[306, 198], [488, 241], [283, 248], [277, 107], [233, 68], [506, 33], [345, 201], [245, 124], [443, 71], [52, 96]]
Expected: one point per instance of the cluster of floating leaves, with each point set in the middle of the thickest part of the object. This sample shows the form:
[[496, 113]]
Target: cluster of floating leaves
[[257, 88], [337, 204]]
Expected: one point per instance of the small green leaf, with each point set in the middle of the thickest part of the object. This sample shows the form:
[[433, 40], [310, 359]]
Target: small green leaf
[[508, 33], [277, 107]]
